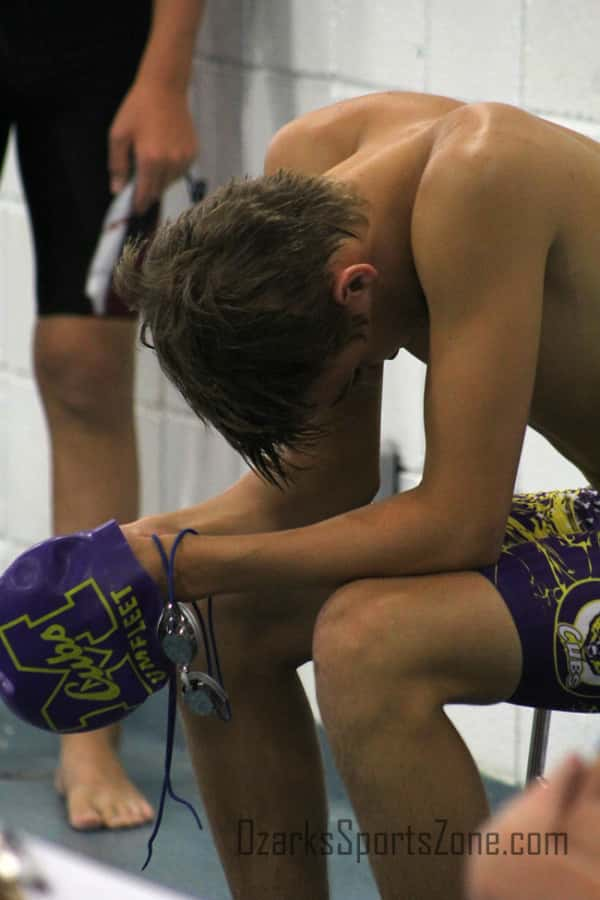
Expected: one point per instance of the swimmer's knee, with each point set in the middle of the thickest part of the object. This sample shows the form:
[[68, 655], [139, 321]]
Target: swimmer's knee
[[362, 620], [84, 367], [367, 641], [343, 629], [258, 633]]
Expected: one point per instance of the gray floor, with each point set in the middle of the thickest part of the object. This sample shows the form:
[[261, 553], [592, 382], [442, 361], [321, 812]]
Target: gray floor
[[183, 859]]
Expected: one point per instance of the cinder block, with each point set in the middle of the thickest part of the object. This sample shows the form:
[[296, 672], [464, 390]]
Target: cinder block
[[569, 732], [474, 50], [269, 105], [346, 90], [9, 550], [4, 438], [310, 94], [562, 65], [16, 288], [257, 104], [289, 34], [197, 463], [522, 739], [27, 482], [542, 468], [149, 380], [380, 43], [150, 446], [408, 478], [307, 677], [175, 200], [589, 129], [389, 471], [173, 401], [490, 734], [218, 97], [4, 279], [222, 33], [402, 409]]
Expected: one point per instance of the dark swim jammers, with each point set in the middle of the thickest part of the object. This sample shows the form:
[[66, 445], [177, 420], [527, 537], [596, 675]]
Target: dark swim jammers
[[548, 574], [64, 70]]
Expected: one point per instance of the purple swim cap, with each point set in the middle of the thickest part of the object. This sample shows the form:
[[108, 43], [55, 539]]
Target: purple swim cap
[[79, 644]]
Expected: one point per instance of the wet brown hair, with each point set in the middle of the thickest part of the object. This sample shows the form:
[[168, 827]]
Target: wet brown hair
[[236, 295]]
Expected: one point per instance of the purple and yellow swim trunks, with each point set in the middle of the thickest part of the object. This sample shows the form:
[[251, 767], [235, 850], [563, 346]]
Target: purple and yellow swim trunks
[[548, 574]]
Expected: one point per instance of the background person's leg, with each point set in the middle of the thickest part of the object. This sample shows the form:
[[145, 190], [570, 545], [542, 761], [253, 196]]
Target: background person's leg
[[84, 369], [388, 654], [84, 372]]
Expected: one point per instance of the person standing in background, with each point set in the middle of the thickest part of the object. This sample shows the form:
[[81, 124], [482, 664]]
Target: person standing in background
[[96, 95]]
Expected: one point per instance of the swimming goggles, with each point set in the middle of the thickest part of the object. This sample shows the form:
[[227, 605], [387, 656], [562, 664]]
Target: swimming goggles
[[181, 632]]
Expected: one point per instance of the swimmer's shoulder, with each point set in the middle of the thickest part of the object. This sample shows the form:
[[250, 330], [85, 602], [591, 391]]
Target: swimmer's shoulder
[[321, 139], [506, 132], [317, 141], [484, 151]]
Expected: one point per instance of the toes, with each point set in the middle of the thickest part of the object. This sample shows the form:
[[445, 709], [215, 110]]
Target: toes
[[89, 809], [97, 790], [146, 812], [82, 813], [126, 812]]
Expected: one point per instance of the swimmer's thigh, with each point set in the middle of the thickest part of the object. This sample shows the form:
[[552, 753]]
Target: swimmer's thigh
[[450, 634]]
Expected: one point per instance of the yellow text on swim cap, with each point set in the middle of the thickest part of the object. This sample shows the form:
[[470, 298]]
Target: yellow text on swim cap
[[133, 623], [67, 650]]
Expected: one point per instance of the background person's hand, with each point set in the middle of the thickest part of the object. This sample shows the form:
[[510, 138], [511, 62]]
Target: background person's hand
[[154, 133], [569, 802]]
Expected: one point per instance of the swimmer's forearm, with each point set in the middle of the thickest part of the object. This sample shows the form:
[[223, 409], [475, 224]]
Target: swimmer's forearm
[[231, 512], [251, 506], [405, 535]]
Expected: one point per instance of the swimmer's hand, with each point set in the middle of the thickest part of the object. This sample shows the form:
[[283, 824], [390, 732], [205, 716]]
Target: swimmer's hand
[[139, 537]]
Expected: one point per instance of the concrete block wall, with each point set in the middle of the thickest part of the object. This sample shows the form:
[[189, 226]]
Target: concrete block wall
[[260, 63]]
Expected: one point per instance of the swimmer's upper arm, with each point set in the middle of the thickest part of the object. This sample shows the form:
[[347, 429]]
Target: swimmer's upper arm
[[480, 234]]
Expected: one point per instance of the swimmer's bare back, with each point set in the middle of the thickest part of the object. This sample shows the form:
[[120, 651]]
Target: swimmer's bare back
[[388, 144]]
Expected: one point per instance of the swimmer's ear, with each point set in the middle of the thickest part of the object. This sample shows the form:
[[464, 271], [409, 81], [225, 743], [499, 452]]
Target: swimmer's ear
[[353, 285]]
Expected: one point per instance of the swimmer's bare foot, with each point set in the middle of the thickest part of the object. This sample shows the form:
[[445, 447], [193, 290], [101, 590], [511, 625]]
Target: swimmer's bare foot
[[96, 788]]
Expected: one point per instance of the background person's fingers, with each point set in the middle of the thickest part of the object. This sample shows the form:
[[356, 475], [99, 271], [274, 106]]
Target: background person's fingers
[[565, 782], [540, 806], [119, 161], [149, 180], [154, 175], [592, 781]]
